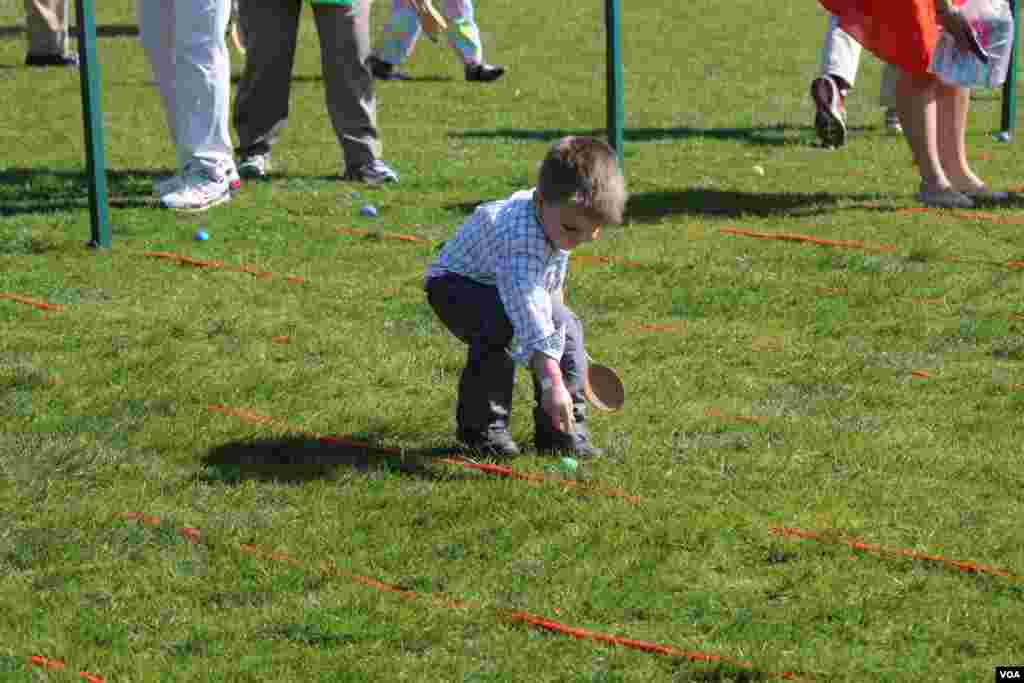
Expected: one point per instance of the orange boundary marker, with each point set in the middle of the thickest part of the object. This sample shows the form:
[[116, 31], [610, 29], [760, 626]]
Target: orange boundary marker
[[716, 413], [219, 265], [793, 237], [665, 328], [497, 470], [533, 620], [46, 663], [358, 232], [921, 374], [962, 565], [966, 215], [41, 305]]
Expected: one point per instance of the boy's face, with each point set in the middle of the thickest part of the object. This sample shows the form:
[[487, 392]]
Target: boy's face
[[567, 227]]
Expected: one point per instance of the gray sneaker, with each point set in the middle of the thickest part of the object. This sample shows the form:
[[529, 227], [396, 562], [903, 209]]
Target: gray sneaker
[[254, 166], [168, 184], [374, 172]]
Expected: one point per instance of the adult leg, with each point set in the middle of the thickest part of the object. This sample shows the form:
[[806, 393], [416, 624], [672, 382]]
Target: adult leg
[[918, 110], [952, 104], [344, 48], [203, 74], [400, 34], [156, 33], [887, 97], [838, 64], [464, 39], [46, 23], [261, 103], [840, 55], [475, 315]]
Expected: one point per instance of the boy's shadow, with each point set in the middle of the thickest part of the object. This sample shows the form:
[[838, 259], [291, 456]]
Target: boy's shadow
[[299, 459]]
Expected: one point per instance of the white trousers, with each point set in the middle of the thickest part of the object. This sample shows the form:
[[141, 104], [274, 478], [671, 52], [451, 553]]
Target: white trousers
[[186, 46], [840, 56]]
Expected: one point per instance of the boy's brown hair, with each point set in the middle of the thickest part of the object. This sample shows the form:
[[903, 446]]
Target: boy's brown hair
[[583, 173]]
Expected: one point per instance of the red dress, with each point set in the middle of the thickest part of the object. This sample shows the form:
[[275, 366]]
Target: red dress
[[900, 32]]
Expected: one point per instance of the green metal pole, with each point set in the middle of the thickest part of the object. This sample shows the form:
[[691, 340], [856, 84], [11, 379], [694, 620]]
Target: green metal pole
[[89, 73], [614, 78], [1010, 87]]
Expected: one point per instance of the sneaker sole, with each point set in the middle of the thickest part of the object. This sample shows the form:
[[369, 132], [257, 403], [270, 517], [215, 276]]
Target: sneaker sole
[[226, 197], [828, 122]]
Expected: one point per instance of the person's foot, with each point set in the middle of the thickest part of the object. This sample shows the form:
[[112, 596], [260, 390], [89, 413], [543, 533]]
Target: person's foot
[[483, 73], [576, 445], [892, 120], [69, 59], [943, 197], [374, 172], [385, 71], [201, 189], [493, 442], [830, 111], [169, 184], [254, 166]]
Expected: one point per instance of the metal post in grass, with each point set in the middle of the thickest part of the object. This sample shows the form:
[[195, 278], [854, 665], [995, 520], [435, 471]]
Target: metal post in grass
[[613, 64], [89, 73], [1010, 87]]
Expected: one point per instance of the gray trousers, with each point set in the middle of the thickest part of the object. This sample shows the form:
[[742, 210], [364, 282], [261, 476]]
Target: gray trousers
[[261, 104], [473, 312], [46, 23]]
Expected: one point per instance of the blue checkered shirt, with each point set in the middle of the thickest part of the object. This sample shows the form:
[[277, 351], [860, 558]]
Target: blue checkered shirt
[[503, 245]]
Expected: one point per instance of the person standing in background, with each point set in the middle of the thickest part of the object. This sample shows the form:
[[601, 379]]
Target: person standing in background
[[185, 43], [837, 73], [46, 24], [403, 29], [271, 30]]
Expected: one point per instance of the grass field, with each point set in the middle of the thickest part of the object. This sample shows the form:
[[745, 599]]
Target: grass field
[[178, 503]]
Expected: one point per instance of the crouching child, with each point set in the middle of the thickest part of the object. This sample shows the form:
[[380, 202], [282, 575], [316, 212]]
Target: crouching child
[[497, 285]]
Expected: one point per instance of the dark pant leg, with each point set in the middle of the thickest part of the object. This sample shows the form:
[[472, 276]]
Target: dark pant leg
[[573, 366], [474, 313], [261, 102], [344, 48]]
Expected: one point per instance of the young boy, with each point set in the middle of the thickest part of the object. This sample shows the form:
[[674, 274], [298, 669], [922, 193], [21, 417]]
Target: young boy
[[501, 276]]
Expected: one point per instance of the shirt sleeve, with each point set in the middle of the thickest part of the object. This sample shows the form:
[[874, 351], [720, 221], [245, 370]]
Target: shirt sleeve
[[520, 281]]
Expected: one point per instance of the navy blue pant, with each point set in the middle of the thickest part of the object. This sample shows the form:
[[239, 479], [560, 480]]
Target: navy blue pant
[[473, 312]]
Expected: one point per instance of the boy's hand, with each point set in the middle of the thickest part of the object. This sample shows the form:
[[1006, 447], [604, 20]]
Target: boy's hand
[[557, 403]]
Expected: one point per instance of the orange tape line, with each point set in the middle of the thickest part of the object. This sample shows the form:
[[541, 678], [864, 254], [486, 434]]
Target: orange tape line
[[715, 413], [792, 237], [666, 328], [516, 616], [962, 565], [497, 470], [395, 237], [921, 374], [41, 305], [219, 265], [45, 663]]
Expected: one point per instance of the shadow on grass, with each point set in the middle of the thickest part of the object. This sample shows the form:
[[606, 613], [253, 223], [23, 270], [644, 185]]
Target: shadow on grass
[[650, 207], [106, 31], [34, 190], [299, 459], [771, 136]]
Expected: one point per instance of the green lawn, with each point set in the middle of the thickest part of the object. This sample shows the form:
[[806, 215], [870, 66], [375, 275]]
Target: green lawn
[[867, 386]]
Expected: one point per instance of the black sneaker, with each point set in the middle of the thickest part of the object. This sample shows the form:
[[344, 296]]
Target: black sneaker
[[830, 111], [383, 71], [69, 59], [483, 73], [496, 443], [576, 445]]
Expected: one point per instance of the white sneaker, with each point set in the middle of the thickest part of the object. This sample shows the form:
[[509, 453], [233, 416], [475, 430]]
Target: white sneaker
[[254, 166], [169, 184], [200, 189]]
